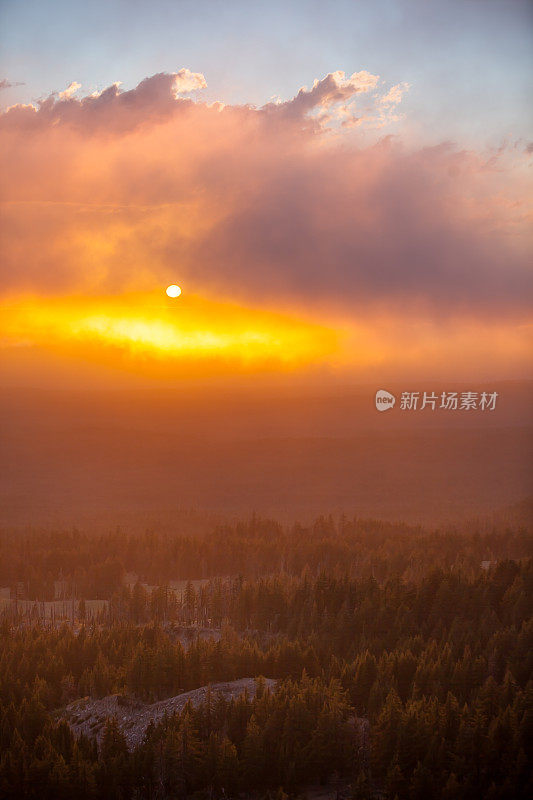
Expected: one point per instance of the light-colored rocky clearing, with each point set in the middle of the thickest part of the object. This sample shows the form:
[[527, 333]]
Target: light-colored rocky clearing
[[89, 715]]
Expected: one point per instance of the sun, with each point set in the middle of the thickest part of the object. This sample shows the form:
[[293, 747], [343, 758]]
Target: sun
[[173, 290]]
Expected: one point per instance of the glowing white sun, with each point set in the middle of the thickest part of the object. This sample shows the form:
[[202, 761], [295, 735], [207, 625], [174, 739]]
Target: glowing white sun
[[173, 290]]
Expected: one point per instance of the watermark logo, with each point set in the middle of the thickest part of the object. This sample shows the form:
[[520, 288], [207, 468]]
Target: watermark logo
[[384, 400], [446, 401]]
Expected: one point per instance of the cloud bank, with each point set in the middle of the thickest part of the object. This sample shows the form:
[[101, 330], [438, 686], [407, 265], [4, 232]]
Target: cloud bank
[[120, 190]]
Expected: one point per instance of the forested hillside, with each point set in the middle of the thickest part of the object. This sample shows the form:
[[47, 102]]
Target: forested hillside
[[403, 662]]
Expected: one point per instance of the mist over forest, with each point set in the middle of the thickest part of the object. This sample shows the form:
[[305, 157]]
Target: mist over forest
[[97, 458]]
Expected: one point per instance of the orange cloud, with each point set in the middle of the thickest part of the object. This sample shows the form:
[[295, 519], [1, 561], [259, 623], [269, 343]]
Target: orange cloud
[[142, 331], [127, 191], [71, 90]]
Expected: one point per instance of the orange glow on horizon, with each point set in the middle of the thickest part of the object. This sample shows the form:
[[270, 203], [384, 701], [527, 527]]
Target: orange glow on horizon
[[155, 336], [148, 327]]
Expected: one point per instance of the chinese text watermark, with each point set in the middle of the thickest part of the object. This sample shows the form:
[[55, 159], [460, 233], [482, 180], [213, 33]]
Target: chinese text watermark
[[447, 401]]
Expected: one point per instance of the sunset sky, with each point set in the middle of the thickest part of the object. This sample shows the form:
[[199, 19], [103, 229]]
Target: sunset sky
[[340, 189]]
